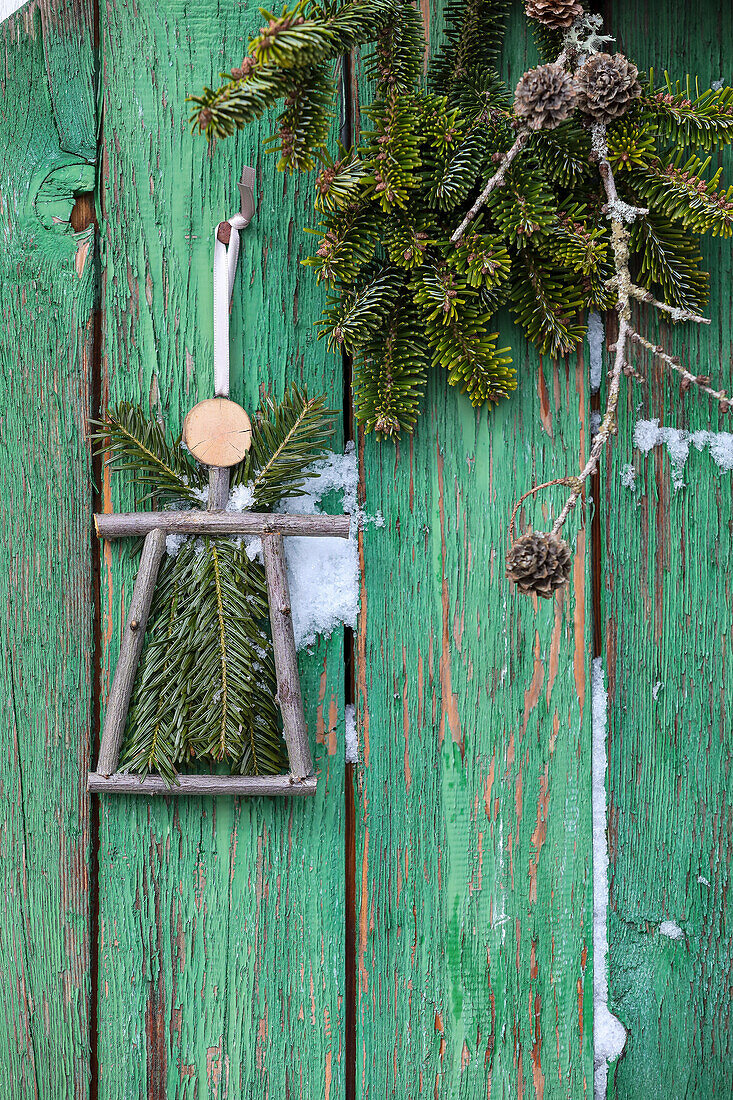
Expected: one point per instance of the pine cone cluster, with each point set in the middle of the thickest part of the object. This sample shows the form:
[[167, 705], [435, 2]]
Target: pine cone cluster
[[558, 14], [607, 86], [545, 97], [538, 563]]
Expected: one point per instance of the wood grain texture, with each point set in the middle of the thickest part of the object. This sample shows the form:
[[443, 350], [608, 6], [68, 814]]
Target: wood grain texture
[[667, 609], [124, 524], [474, 826], [47, 295], [240, 786], [221, 920]]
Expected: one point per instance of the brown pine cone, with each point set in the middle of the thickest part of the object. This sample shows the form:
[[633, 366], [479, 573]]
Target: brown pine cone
[[558, 14], [545, 97], [607, 86], [538, 563]]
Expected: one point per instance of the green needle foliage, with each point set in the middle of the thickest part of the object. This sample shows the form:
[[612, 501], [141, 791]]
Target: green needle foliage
[[402, 297], [205, 687]]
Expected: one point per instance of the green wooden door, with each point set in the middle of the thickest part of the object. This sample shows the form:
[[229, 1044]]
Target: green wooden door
[[423, 926]]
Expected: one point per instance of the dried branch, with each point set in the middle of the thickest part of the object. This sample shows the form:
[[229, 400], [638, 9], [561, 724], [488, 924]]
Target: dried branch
[[702, 381], [621, 214], [496, 180]]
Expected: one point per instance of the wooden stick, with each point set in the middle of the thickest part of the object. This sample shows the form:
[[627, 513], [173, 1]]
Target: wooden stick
[[286, 658], [114, 525], [242, 786], [132, 644], [218, 489], [497, 180]]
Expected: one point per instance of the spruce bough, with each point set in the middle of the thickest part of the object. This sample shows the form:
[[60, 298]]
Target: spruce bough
[[404, 294]]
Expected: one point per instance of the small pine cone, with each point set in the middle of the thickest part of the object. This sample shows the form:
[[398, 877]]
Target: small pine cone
[[558, 14], [545, 97], [607, 86], [539, 562]]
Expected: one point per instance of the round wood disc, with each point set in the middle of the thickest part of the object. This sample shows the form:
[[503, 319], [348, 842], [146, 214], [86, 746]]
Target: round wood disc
[[217, 432]]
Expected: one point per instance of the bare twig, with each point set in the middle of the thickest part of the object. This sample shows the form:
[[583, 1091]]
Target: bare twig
[[702, 381], [675, 312], [496, 180]]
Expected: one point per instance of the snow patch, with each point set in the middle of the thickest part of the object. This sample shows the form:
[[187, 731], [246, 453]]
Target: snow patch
[[628, 476], [323, 573], [595, 338], [241, 498], [656, 689], [352, 744], [717, 84], [173, 544], [703, 881], [609, 1034], [670, 929], [648, 434]]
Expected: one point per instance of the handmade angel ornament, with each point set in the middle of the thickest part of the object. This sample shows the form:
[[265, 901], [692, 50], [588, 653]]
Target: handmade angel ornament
[[236, 721]]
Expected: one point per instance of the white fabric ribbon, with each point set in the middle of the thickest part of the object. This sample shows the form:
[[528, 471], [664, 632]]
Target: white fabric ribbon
[[225, 268]]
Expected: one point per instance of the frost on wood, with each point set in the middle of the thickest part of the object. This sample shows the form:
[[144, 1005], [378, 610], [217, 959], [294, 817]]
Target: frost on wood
[[649, 434], [671, 930], [350, 735], [609, 1034], [628, 476], [595, 338]]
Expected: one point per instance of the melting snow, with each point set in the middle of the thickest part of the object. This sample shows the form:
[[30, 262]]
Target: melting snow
[[669, 928], [648, 434], [352, 743], [609, 1034], [628, 476], [595, 338]]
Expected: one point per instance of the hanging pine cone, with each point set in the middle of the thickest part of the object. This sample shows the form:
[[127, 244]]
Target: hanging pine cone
[[545, 97], [538, 563], [558, 14], [607, 86]]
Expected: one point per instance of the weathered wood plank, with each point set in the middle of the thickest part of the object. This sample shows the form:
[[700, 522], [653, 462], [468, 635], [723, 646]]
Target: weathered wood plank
[[474, 822], [47, 295], [667, 609], [221, 921]]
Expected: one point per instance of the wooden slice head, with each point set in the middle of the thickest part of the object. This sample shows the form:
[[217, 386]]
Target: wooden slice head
[[217, 432]]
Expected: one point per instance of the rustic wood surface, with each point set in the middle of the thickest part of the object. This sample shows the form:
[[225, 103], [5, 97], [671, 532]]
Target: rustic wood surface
[[47, 283], [221, 965], [474, 823], [667, 611], [223, 922]]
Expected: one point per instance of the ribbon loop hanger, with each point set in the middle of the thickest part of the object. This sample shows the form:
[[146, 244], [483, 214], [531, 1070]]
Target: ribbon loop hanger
[[226, 257]]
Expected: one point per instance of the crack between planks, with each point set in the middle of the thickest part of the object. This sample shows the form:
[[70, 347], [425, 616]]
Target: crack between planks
[[350, 984]]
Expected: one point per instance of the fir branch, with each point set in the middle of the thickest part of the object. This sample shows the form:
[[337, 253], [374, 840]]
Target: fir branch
[[357, 314], [391, 376], [135, 442], [669, 259], [679, 191], [346, 247], [687, 117], [474, 30], [287, 438]]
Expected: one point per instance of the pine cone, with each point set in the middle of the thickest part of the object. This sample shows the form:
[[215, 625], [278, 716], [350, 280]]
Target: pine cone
[[558, 14], [545, 97], [539, 562], [607, 86]]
